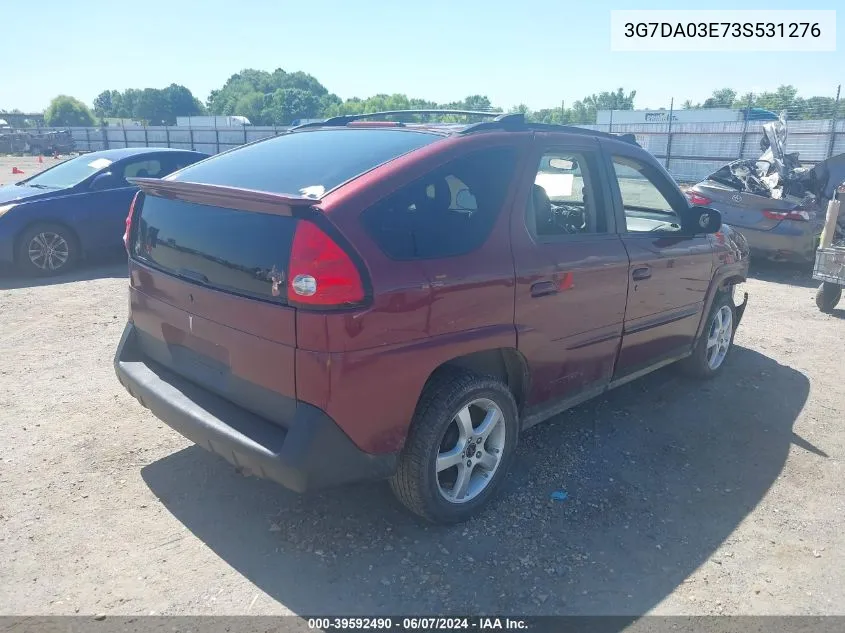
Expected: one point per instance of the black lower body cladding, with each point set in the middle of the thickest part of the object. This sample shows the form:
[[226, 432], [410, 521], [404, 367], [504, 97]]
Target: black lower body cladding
[[311, 452]]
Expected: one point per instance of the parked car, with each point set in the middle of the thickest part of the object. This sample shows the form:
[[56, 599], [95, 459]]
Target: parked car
[[48, 222], [777, 204], [362, 300]]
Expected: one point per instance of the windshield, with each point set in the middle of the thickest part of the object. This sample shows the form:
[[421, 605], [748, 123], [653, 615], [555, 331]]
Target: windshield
[[306, 163], [69, 173]]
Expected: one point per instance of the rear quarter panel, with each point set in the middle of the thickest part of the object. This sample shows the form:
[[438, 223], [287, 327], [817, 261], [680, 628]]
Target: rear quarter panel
[[367, 367]]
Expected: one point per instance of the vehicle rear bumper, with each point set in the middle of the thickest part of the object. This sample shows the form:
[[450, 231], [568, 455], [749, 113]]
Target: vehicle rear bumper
[[311, 452], [796, 246]]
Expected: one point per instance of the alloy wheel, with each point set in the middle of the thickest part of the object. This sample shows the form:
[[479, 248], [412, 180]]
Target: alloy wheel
[[471, 451], [719, 337], [48, 251]]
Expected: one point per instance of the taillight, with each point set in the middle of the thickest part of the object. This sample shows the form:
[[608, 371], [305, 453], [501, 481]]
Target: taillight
[[797, 215], [320, 272], [696, 199], [129, 221]]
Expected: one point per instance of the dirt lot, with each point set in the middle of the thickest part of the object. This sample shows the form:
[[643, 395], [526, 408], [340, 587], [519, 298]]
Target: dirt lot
[[683, 498]]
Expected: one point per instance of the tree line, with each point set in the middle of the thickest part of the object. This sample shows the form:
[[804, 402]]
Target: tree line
[[784, 98], [280, 97]]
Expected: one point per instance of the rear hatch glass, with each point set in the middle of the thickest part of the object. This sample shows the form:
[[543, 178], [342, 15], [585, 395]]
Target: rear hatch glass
[[307, 163], [241, 252]]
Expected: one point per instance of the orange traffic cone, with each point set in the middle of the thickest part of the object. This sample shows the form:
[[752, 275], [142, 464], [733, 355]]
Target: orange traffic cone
[[15, 170]]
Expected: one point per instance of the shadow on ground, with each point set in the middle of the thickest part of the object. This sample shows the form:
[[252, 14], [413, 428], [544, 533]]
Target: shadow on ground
[[783, 273], [111, 266], [658, 474]]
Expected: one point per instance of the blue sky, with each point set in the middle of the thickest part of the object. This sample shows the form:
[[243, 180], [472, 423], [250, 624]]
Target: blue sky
[[539, 53]]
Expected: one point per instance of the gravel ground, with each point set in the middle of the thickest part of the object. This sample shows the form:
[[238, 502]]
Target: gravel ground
[[683, 498], [29, 165]]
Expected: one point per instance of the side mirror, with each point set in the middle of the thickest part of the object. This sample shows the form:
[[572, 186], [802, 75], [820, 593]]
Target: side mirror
[[705, 220], [105, 180]]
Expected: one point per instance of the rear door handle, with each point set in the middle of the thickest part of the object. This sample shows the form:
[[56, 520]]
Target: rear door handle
[[641, 273], [543, 288]]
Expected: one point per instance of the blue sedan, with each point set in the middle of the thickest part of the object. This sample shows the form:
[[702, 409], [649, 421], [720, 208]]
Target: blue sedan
[[78, 208]]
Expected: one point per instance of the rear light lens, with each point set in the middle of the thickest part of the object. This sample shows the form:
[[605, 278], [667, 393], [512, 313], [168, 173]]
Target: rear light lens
[[696, 199], [129, 221], [797, 215], [321, 273]]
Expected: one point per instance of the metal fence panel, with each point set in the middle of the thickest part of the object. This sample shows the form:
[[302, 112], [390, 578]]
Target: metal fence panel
[[690, 151]]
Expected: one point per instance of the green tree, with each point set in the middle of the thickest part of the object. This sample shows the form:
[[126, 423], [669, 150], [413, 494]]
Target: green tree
[[301, 96], [128, 100], [107, 103], [178, 101], [152, 105], [722, 98], [250, 105], [287, 104], [611, 100], [818, 108], [68, 111]]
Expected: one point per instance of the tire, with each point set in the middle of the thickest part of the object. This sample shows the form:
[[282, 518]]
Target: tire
[[700, 364], [62, 257], [433, 494], [827, 296]]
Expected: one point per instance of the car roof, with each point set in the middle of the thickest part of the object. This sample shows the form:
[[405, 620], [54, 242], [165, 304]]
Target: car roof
[[126, 152]]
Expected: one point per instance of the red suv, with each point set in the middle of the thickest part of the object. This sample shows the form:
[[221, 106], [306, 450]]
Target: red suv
[[369, 299]]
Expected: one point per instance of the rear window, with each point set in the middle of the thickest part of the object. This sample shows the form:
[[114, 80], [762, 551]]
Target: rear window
[[237, 251], [308, 162], [448, 212]]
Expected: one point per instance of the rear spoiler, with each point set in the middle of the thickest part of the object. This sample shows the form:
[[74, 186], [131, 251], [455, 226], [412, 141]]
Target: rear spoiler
[[224, 196]]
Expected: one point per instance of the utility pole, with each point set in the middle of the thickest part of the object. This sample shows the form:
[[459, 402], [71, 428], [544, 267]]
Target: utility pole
[[833, 122], [669, 133], [745, 126]]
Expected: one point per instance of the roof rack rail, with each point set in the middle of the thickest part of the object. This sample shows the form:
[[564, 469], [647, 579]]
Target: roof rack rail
[[349, 118], [574, 129], [509, 120], [498, 120]]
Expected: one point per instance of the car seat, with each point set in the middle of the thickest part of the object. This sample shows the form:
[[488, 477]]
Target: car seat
[[540, 215]]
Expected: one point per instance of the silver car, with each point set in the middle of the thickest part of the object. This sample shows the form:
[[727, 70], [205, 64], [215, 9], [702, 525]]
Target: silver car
[[775, 203]]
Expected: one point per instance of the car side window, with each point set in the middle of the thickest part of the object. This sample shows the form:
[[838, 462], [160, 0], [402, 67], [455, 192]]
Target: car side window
[[450, 211], [171, 163], [646, 208], [562, 200], [148, 168]]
